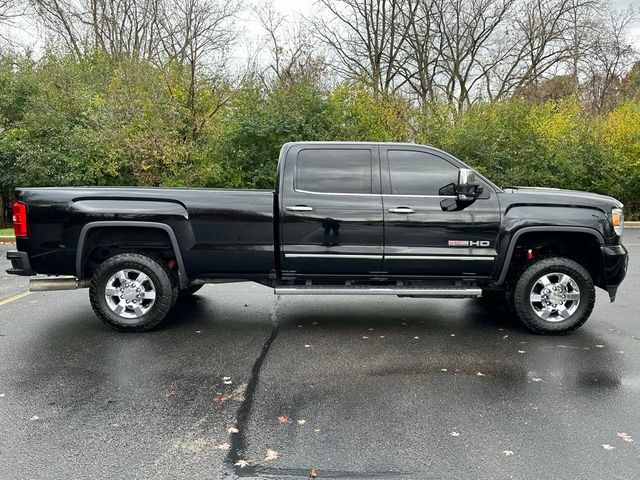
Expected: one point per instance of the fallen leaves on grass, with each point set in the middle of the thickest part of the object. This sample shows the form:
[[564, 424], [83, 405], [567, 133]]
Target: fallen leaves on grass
[[241, 463], [455, 434], [232, 430], [607, 447], [307, 345], [301, 421], [625, 437], [522, 351], [480, 374], [270, 454], [508, 453], [283, 418]]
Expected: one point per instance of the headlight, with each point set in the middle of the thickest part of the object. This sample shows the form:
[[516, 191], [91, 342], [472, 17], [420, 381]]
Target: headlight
[[617, 218]]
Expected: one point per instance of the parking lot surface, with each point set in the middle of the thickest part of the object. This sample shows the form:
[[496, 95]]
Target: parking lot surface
[[242, 384]]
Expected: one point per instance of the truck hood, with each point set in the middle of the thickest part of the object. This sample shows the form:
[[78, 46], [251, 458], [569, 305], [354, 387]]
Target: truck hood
[[556, 196]]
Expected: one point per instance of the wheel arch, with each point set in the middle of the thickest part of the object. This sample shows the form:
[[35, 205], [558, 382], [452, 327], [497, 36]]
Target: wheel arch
[[513, 242], [183, 279]]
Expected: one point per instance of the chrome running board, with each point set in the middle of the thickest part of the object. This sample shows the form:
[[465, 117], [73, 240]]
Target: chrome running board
[[445, 292]]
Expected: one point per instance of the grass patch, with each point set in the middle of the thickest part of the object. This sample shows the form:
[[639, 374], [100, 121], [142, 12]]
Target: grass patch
[[6, 232]]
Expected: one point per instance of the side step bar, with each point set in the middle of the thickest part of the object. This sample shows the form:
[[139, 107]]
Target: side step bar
[[451, 292]]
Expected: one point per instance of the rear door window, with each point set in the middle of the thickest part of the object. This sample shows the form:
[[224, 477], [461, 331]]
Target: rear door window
[[334, 171]]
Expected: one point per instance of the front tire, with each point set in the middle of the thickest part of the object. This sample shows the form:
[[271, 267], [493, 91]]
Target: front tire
[[131, 292], [554, 296]]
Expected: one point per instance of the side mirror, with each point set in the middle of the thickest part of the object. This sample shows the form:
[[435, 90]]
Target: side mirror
[[468, 189]]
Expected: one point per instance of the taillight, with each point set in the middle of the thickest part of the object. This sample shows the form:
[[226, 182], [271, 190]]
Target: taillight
[[20, 219]]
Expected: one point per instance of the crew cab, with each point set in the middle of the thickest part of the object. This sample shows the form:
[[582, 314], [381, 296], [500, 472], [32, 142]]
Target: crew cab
[[345, 219]]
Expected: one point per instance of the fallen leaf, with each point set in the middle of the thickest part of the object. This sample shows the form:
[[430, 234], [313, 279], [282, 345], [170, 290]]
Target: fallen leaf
[[455, 434], [506, 336], [313, 473], [536, 379], [508, 452], [270, 454], [241, 463], [220, 398], [34, 418], [283, 418], [170, 393], [443, 369], [224, 446], [1, 395], [521, 351], [232, 430], [600, 346], [227, 382], [416, 338], [301, 422], [365, 337], [479, 374], [381, 336], [317, 430], [307, 345], [607, 447], [625, 436], [226, 378], [452, 335], [198, 331]]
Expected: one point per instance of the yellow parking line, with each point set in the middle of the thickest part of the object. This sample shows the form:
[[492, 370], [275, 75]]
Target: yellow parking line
[[14, 297]]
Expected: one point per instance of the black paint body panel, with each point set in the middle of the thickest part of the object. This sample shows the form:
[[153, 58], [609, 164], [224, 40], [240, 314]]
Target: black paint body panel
[[253, 234]]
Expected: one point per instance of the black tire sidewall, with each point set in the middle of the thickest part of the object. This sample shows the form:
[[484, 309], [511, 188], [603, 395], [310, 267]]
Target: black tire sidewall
[[151, 267], [526, 282]]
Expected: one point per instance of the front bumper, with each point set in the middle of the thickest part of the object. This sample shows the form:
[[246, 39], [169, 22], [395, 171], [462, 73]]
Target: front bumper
[[20, 264], [615, 260]]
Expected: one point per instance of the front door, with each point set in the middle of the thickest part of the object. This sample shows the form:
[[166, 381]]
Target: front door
[[331, 210], [420, 238]]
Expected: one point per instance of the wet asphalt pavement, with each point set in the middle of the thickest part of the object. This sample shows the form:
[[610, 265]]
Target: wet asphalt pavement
[[365, 388]]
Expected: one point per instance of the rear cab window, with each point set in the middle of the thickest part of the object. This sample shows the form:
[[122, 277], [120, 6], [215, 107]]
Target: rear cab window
[[325, 170]]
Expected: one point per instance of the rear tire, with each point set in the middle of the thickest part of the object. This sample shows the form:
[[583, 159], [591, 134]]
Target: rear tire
[[554, 296], [132, 292]]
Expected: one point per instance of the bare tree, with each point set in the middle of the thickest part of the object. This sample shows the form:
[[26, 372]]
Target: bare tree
[[293, 55], [609, 57], [367, 38]]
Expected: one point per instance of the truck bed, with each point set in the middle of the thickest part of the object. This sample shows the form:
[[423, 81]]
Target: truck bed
[[219, 231]]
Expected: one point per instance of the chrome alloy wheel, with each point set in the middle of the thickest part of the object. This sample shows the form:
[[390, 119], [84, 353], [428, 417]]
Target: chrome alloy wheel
[[130, 293], [555, 297]]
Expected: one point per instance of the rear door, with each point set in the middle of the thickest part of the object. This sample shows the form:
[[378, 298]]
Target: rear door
[[420, 238], [331, 210]]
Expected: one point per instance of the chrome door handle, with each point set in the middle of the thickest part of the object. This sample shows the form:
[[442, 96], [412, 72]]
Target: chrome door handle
[[300, 208], [402, 210]]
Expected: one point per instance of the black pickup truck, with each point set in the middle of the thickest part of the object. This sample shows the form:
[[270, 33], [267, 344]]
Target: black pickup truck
[[344, 219]]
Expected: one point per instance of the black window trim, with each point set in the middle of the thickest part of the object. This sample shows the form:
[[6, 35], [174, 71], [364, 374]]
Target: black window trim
[[311, 192]]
